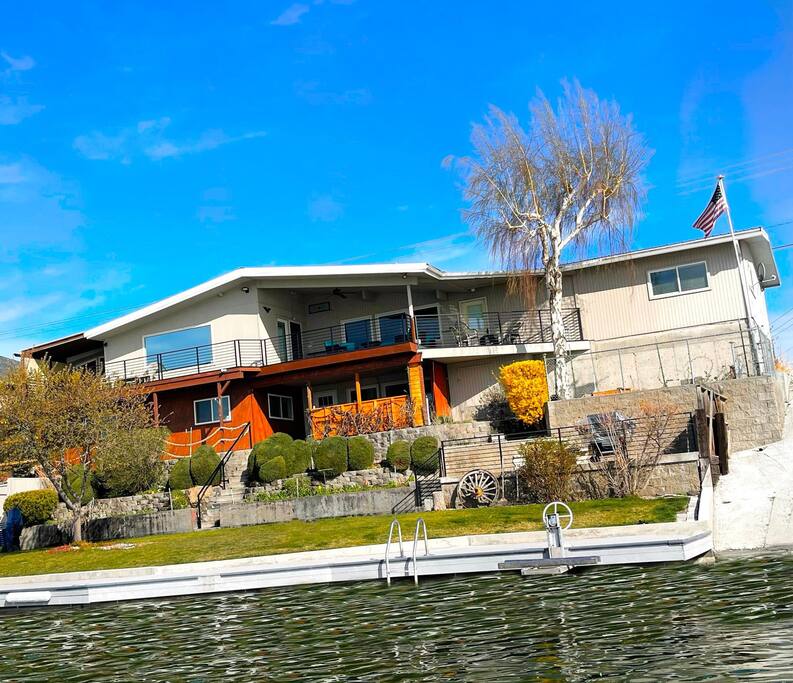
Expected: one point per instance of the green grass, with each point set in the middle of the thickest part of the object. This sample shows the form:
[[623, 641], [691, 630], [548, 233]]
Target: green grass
[[271, 539]]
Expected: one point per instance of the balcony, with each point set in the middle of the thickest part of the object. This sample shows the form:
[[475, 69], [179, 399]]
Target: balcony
[[379, 332]]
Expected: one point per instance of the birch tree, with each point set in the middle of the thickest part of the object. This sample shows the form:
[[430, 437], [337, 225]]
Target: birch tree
[[60, 418], [571, 183]]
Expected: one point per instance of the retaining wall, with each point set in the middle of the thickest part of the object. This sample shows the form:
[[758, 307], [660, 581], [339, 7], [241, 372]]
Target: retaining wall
[[141, 504], [377, 502], [754, 411], [442, 432]]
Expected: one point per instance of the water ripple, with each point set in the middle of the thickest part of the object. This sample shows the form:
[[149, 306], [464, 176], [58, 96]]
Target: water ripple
[[676, 622]]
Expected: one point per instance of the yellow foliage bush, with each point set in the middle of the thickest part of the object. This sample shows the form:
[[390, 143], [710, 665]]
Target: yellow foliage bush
[[526, 389]]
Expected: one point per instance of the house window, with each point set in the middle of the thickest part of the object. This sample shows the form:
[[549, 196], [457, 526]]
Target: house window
[[280, 407], [368, 393], [325, 399], [396, 389], [205, 410], [691, 277], [180, 348], [393, 328]]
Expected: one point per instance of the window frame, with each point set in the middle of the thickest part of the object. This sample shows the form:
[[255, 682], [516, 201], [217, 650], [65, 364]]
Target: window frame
[[364, 387], [332, 393], [225, 400], [152, 357], [679, 291], [270, 407]]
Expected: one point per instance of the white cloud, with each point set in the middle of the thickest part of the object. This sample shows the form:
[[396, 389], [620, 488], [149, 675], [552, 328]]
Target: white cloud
[[148, 138], [25, 63], [11, 174], [440, 249], [17, 109], [324, 208], [291, 15]]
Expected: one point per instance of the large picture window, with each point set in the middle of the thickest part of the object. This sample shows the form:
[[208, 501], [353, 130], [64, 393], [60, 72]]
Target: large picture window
[[691, 277], [180, 348], [205, 410]]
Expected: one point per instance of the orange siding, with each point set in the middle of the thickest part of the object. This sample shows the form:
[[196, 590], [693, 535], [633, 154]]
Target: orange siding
[[440, 390], [416, 388]]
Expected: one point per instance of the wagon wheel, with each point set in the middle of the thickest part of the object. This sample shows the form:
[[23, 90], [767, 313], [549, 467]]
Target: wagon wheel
[[478, 487]]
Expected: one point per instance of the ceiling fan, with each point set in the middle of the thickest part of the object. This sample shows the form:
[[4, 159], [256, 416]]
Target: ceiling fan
[[337, 292]]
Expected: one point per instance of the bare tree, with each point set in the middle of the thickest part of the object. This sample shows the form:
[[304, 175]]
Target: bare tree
[[571, 182], [61, 418], [637, 445]]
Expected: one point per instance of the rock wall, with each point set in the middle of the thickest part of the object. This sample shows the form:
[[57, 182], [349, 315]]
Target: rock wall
[[142, 504], [442, 432], [755, 407]]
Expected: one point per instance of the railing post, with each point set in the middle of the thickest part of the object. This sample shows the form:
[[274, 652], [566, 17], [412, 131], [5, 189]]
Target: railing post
[[159, 365], [197, 360], [580, 329], [125, 369], [542, 327], [237, 354], [500, 332]]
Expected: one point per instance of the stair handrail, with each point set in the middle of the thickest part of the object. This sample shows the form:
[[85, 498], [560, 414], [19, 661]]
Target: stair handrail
[[221, 467], [419, 523], [394, 524]]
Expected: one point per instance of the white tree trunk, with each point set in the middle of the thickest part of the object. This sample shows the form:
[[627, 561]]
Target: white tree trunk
[[561, 373], [77, 526]]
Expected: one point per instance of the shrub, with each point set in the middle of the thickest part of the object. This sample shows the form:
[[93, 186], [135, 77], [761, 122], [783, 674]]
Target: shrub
[[74, 475], [331, 455], [131, 464], [297, 487], [202, 464], [360, 453], [398, 456], [272, 470], [36, 507], [275, 445], [299, 457], [526, 389], [548, 470], [180, 475], [424, 455], [179, 499]]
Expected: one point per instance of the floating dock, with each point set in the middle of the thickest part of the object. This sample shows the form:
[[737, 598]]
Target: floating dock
[[518, 552]]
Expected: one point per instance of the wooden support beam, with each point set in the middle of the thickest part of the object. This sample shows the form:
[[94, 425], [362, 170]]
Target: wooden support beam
[[309, 396], [358, 390]]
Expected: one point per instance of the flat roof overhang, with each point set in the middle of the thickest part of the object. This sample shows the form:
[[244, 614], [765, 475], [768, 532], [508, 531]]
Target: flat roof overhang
[[59, 350]]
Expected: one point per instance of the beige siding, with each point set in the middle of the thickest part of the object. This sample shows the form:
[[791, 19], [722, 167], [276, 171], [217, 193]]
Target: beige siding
[[615, 299], [469, 381]]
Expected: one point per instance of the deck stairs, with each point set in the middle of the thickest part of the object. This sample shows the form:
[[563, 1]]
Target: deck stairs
[[236, 474]]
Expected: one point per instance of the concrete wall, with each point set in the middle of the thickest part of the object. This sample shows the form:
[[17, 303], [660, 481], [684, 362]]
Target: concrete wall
[[377, 502], [755, 408]]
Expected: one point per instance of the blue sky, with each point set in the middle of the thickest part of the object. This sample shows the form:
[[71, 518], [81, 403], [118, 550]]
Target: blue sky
[[146, 147]]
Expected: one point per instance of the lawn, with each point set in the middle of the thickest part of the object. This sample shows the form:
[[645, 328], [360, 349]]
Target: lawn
[[272, 539]]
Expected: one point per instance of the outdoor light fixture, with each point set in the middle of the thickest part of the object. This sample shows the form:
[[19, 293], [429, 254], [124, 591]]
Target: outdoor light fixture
[[404, 276], [267, 309], [246, 290]]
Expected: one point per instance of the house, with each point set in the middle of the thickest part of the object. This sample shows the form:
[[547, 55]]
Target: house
[[304, 349]]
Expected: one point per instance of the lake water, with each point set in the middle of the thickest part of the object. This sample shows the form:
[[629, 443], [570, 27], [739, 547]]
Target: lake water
[[733, 620]]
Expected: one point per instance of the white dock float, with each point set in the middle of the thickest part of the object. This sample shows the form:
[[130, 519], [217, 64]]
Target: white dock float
[[640, 544]]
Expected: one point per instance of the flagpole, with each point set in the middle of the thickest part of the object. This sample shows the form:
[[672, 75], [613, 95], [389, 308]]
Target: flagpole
[[741, 274]]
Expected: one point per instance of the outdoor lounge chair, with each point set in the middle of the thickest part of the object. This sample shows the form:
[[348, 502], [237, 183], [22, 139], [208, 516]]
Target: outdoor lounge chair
[[602, 435]]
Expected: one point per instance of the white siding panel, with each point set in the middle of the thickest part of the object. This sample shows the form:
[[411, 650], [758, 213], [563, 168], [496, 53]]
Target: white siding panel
[[469, 381]]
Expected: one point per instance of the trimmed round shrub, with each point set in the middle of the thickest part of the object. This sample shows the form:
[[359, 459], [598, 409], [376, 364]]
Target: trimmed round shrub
[[74, 475], [331, 456], [272, 470], [275, 445], [360, 453], [299, 457], [36, 507], [179, 478], [202, 464], [398, 456], [424, 455]]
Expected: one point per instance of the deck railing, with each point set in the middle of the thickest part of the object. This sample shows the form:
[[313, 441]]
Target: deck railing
[[431, 331], [374, 415]]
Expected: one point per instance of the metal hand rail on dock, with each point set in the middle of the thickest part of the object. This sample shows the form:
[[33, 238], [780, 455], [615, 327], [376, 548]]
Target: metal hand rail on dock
[[394, 524], [419, 523]]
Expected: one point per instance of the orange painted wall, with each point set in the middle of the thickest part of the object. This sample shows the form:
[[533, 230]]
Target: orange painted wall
[[440, 389], [416, 388]]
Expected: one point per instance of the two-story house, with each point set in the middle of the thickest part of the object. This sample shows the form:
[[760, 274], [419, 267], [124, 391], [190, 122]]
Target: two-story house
[[299, 349]]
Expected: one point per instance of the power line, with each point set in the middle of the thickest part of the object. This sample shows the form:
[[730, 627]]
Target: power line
[[700, 176]]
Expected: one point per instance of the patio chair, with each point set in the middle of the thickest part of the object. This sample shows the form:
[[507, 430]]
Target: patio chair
[[464, 335], [602, 436]]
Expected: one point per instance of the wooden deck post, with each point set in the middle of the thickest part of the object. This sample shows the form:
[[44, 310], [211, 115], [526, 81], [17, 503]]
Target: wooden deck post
[[358, 391], [156, 402], [416, 392]]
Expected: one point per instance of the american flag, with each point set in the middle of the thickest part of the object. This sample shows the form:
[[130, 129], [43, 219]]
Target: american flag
[[716, 206]]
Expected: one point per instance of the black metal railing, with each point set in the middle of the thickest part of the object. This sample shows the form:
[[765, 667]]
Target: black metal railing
[[221, 469], [490, 329], [431, 331]]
